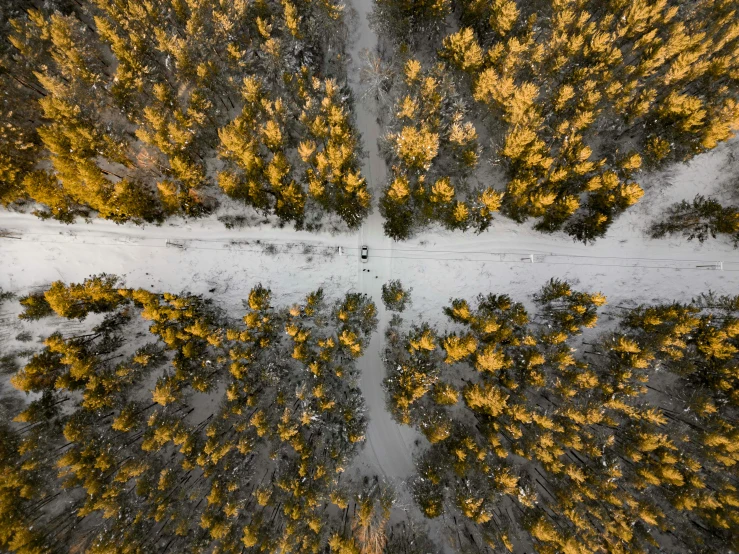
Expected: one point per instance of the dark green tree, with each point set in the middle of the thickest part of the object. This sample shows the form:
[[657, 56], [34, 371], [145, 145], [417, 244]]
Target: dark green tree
[[395, 297], [699, 219]]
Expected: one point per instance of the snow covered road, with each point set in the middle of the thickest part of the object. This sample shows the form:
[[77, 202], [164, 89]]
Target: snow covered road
[[502, 244], [389, 445]]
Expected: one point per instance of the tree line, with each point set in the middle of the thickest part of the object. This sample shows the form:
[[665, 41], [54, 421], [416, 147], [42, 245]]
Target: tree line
[[545, 432], [564, 102], [134, 112], [548, 111], [117, 448]]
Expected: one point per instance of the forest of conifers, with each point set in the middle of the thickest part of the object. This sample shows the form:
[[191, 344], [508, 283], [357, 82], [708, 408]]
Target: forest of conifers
[[551, 110], [136, 111], [136, 421], [580, 439], [542, 429]]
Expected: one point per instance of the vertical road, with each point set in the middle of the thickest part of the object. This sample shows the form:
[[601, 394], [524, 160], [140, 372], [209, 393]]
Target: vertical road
[[388, 445]]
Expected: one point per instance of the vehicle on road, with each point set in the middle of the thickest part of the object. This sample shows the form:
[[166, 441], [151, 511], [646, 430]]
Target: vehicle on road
[[365, 254]]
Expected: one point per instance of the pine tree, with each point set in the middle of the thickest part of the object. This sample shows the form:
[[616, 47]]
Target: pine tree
[[570, 438], [407, 21], [409, 538], [701, 218], [127, 103], [548, 79], [395, 297], [134, 454], [434, 149], [265, 178]]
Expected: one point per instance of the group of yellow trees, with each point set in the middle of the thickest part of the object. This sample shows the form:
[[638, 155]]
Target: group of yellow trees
[[574, 97], [254, 144], [135, 110], [120, 449], [434, 149], [544, 433], [122, 109]]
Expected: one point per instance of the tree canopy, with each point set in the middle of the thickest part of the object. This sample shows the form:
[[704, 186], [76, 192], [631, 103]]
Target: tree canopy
[[135, 112], [550, 110], [547, 433], [166, 424]]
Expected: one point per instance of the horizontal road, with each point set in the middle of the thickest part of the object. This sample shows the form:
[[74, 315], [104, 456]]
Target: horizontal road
[[464, 247]]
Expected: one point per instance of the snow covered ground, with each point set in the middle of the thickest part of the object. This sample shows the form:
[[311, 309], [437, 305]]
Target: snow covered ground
[[203, 257], [198, 256]]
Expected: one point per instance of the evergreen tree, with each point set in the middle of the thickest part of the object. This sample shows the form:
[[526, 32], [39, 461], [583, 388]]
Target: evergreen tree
[[576, 98], [566, 437], [69, 67], [699, 219], [114, 425], [257, 144], [128, 104], [433, 151], [395, 297]]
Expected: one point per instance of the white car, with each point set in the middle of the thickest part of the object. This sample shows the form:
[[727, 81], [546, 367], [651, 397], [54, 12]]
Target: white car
[[365, 254]]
